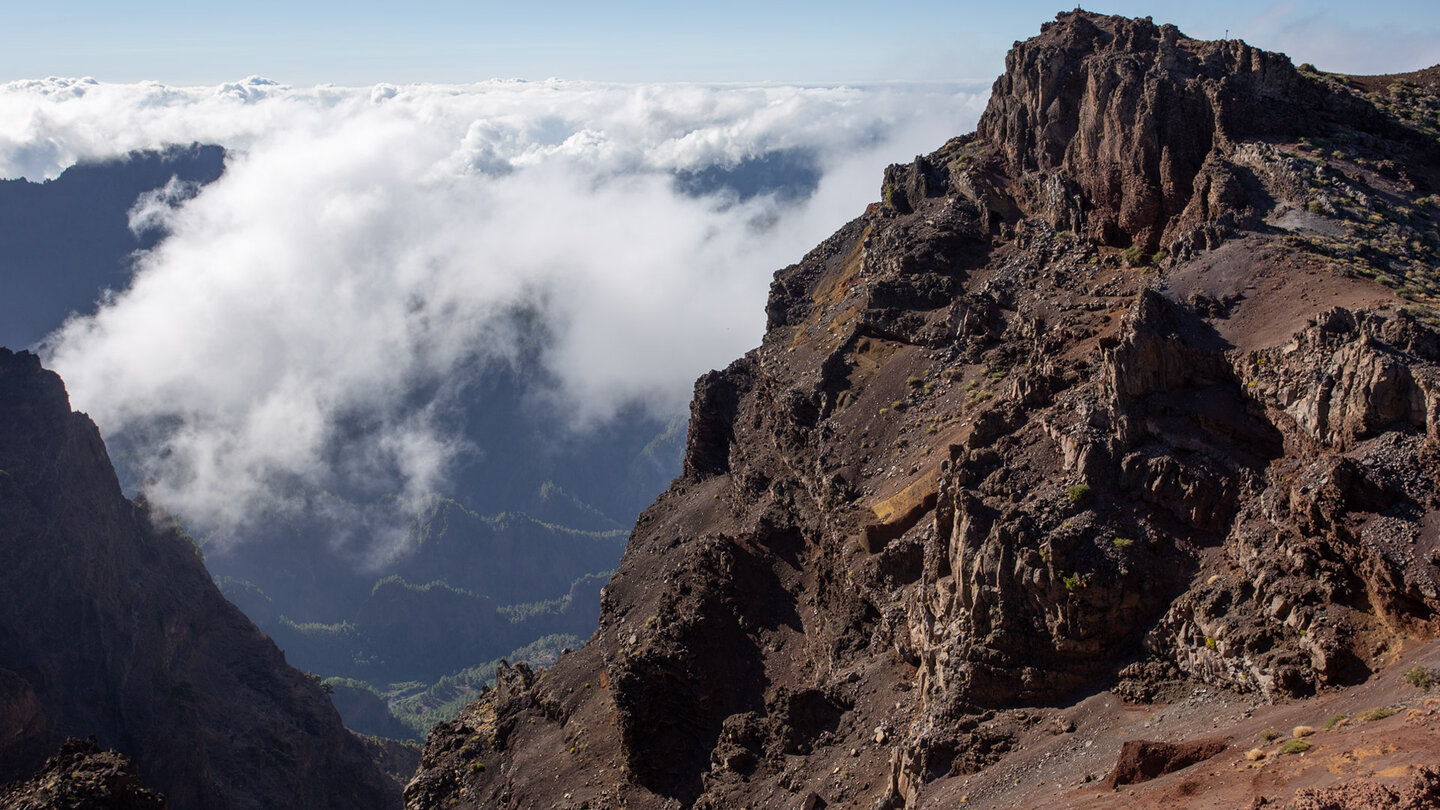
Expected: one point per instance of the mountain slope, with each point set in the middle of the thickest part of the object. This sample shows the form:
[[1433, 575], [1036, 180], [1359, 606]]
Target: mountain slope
[[111, 626], [65, 241], [1133, 393]]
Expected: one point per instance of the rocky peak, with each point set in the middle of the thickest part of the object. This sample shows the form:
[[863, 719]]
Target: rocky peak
[[1130, 128], [996, 468]]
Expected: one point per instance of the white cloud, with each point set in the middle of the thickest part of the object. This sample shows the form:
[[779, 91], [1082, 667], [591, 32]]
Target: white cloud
[[365, 241]]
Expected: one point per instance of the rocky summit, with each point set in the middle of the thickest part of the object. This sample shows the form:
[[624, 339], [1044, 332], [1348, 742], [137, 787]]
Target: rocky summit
[[1097, 464]]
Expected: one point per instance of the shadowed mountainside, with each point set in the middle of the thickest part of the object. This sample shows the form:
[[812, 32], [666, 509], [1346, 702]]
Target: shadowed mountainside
[[110, 626]]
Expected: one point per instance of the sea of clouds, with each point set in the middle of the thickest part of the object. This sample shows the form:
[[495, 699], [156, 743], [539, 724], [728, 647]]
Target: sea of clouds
[[367, 243]]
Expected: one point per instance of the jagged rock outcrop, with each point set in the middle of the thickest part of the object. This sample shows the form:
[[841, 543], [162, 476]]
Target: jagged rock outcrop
[[110, 626], [1131, 133], [83, 777], [994, 456]]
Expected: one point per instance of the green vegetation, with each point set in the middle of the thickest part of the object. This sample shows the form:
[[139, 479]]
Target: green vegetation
[[1295, 747], [443, 700], [1378, 714], [1132, 256], [1073, 582], [1335, 721], [1419, 677], [1122, 542], [1078, 493], [1209, 643], [1270, 734], [325, 686]]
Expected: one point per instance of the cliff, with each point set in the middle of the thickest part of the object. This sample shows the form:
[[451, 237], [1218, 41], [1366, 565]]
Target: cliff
[[110, 626], [1123, 410]]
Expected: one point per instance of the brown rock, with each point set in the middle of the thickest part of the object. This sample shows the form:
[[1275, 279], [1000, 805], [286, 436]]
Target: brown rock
[[1143, 760]]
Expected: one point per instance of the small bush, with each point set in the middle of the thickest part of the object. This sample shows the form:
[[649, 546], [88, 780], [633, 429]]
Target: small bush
[[1209, 643], [1419, 677], [1074, 582], [1335, 721], [1132, 256], [1295, 747], [1270, 734], [1378, 714], [1122, 542], [1078, 493]]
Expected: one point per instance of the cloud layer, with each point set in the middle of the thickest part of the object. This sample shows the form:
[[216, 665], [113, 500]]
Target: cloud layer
[[366, 243]]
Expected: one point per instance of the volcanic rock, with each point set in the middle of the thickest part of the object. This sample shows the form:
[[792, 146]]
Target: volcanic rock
[[1133, 389], [110, 626]]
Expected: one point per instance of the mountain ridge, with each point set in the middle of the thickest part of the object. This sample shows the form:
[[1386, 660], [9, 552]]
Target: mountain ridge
[[1129, 396]]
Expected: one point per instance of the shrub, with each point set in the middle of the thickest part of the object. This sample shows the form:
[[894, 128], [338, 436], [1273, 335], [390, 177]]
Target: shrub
[[1378, 714], [1209, 643], [1419, 677], [1295, 747], [1335, 721], [1132, 256], [1269, 734], [1122, 542], [1078, 493]]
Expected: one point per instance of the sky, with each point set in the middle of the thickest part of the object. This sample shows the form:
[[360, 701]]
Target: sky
[[393, 195], [363, 42]]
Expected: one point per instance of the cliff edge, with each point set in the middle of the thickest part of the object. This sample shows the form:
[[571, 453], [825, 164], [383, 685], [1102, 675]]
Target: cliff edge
[[110, 626]]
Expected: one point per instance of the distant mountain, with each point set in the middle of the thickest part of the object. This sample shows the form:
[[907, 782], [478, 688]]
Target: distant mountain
[[538, 511], [110, 625], [64, 241]]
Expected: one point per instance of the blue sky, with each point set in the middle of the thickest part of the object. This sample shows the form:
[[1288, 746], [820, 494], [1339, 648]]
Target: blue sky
[[363, 42]]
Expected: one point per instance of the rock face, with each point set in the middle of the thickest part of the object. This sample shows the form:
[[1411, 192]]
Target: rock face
[[1102, 397], [110, 626], [1130, 132], [82, 777]]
